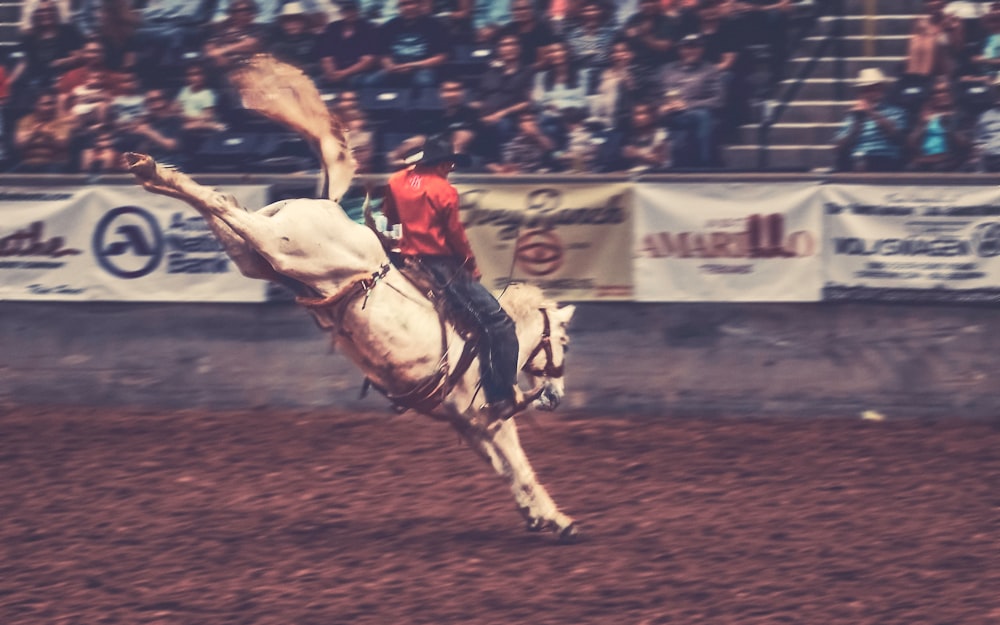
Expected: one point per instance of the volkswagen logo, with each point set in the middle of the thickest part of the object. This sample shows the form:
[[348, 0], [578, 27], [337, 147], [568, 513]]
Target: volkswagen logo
[[986, 240], [128, 242]]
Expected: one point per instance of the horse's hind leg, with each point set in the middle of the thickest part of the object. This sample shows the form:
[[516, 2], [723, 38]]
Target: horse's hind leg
[[504, 452], [173, 183]]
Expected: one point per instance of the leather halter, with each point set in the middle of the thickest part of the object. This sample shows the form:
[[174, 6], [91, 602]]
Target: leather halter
[[550, 370]]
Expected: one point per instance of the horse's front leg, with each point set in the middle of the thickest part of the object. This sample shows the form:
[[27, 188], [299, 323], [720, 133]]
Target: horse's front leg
[[501, 447], [172, 183]]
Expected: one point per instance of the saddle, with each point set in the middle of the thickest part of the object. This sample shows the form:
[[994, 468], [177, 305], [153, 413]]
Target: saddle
[[431, 392]]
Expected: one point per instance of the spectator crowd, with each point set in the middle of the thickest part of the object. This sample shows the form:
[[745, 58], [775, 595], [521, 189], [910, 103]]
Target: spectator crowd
[[529, 86], [940, 112]]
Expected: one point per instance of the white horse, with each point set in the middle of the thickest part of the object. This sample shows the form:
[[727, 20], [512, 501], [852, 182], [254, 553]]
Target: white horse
[[373, 313]]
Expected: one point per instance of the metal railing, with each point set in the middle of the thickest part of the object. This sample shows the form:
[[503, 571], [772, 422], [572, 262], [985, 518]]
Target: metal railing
[[834, 39]]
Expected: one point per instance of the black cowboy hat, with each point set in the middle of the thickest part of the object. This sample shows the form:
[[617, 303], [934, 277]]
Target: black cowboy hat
[[438, 149]]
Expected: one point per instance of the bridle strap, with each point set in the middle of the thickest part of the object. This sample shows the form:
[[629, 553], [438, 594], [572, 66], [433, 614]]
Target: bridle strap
[[550, 370]]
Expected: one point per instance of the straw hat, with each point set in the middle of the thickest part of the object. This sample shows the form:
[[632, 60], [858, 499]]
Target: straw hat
[[292, 9], [869, 77]]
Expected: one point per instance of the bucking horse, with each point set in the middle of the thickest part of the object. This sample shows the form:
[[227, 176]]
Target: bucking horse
[[387, 323]]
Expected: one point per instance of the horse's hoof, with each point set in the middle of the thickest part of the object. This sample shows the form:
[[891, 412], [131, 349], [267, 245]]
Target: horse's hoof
[[139, 164], [536, 525], [570, 534]]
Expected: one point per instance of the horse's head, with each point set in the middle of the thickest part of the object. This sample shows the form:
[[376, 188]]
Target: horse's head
[[546, 360], [543, 338]]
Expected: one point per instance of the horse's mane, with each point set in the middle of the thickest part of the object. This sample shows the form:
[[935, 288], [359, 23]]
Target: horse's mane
[[521, 300]]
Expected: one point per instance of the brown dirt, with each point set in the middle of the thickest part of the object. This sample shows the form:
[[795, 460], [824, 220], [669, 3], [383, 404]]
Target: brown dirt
[[113, 516]]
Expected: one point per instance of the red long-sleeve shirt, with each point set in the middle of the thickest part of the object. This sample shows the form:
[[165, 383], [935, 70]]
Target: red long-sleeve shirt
[[426, 206]]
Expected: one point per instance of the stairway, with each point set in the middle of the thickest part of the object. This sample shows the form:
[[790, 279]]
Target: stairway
[[10, 16], [801, 136]]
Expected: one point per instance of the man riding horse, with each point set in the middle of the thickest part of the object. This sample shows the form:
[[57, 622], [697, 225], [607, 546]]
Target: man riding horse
[[425, 204]]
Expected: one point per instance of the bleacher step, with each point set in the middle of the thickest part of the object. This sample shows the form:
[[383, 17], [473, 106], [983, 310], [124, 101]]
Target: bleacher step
[[785, 157]]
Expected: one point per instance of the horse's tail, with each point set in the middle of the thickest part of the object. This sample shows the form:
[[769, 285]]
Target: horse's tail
[[285, 94]]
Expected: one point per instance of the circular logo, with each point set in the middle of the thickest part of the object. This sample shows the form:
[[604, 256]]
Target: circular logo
[[128, 243], [539, 252], [986, 240]]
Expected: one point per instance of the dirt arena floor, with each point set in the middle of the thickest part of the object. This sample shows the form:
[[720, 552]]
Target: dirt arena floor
[[302, 518]]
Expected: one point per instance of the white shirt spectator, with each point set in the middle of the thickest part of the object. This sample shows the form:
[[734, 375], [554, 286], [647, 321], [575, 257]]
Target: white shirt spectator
[[195, 103]]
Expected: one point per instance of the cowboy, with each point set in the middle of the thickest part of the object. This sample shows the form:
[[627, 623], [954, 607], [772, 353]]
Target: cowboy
[[872, 134], [425, 205]]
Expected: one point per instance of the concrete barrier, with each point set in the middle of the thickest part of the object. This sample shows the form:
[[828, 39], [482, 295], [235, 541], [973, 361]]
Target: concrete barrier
[[658, 359]]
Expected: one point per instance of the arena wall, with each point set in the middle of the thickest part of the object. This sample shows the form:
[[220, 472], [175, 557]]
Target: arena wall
[[743, 360]]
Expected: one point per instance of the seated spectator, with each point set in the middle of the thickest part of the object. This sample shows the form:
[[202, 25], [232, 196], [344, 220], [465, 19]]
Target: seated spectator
[[457, 18], [766, 23], [976, 77], [102, 156], [645, 144], [92, 82], [988, 58], [377, 11], [47, 49], [872, 136], [489, 17], [116, 28], [4, 124], [168, 30], [693, 99], [534, 34], [198, 103], [986, 135], [360, 134], [503, 92], [64, 10], [292, 41], [346, 49], [590, 40], [724, 49], [89, 103], [42, 138], [617, 88], [563, 85], [160, 133], [528, 152], [560, 14], [935, 46], [936, 142], [455, 120], [129, 103], [317, 12], [412, 47], [236, 38], [653, 36], [584, 138]]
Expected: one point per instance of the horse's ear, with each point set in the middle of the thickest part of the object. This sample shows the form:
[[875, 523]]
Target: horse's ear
[[566, 313]]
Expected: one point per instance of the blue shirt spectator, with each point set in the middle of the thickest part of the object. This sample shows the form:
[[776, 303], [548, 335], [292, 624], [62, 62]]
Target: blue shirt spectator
[[873, 132]]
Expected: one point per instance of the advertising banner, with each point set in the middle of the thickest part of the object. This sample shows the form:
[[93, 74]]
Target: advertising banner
[[753, 242], [918, 243], [572, 240], [117, 243]]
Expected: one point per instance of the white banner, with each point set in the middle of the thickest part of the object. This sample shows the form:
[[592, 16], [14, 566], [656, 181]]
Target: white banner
[[738, 242], [118, 243], [912, 243]]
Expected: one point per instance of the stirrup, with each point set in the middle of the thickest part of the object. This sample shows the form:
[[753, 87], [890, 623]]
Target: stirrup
[[506, 408], [501, 410]]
